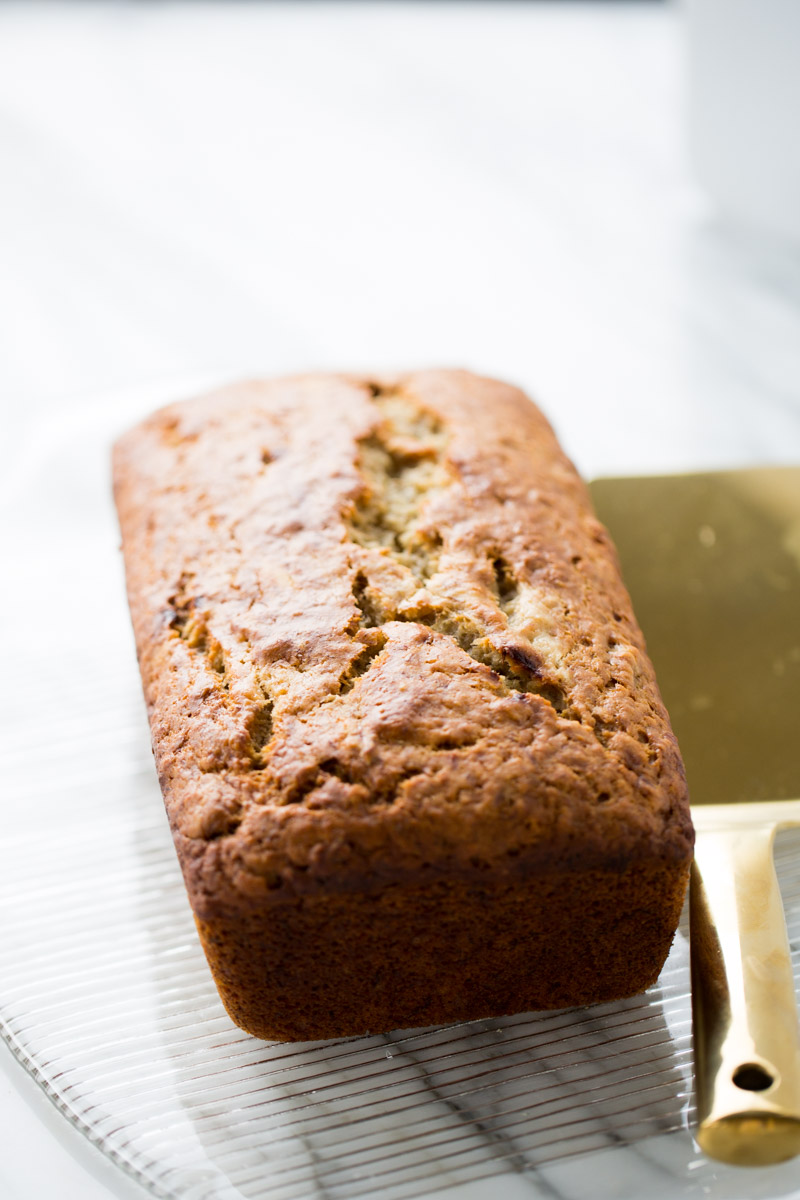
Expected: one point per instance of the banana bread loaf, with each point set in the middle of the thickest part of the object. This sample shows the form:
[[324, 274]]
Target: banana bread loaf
[[412, 749]]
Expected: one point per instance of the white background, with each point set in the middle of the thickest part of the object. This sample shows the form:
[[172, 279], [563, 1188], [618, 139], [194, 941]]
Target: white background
[[277, 187], [240, 187]]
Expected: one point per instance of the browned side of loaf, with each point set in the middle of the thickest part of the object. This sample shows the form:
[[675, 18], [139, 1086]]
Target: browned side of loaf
[[411, 746], [450, 951]]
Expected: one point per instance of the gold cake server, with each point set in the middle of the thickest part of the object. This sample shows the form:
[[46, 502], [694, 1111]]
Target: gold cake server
[[712, 562]]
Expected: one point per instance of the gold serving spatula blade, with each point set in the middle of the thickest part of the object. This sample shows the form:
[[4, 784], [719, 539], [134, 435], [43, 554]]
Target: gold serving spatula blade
[[712, 562]]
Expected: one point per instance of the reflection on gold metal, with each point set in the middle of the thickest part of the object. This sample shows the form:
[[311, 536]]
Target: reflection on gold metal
[[745, 1015], [713, 565]]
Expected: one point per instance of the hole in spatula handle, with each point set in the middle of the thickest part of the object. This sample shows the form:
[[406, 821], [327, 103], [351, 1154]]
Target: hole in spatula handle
[[751, 1077]]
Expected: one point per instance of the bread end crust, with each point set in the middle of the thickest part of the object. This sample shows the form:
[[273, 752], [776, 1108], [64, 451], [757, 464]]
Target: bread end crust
[[342, 966]]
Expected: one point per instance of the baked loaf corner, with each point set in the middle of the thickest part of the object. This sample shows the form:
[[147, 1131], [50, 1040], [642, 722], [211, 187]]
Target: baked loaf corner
[[411, 746]]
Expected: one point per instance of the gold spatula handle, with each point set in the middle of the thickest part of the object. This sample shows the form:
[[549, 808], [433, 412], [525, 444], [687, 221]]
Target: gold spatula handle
[[746, 1036]]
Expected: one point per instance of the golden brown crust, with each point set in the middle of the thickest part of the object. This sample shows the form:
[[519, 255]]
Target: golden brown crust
[[384, 643]]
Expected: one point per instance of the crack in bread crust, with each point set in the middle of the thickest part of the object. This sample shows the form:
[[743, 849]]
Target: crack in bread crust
[[404, 469]]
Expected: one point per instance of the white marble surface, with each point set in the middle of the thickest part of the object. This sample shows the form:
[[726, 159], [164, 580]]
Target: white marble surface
[[223, 188]]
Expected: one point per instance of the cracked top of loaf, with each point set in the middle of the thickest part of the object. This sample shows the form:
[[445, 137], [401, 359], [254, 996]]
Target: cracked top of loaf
[[383, 638]]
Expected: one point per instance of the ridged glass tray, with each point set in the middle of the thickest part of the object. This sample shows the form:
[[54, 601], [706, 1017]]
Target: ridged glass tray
[[106, 998]]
